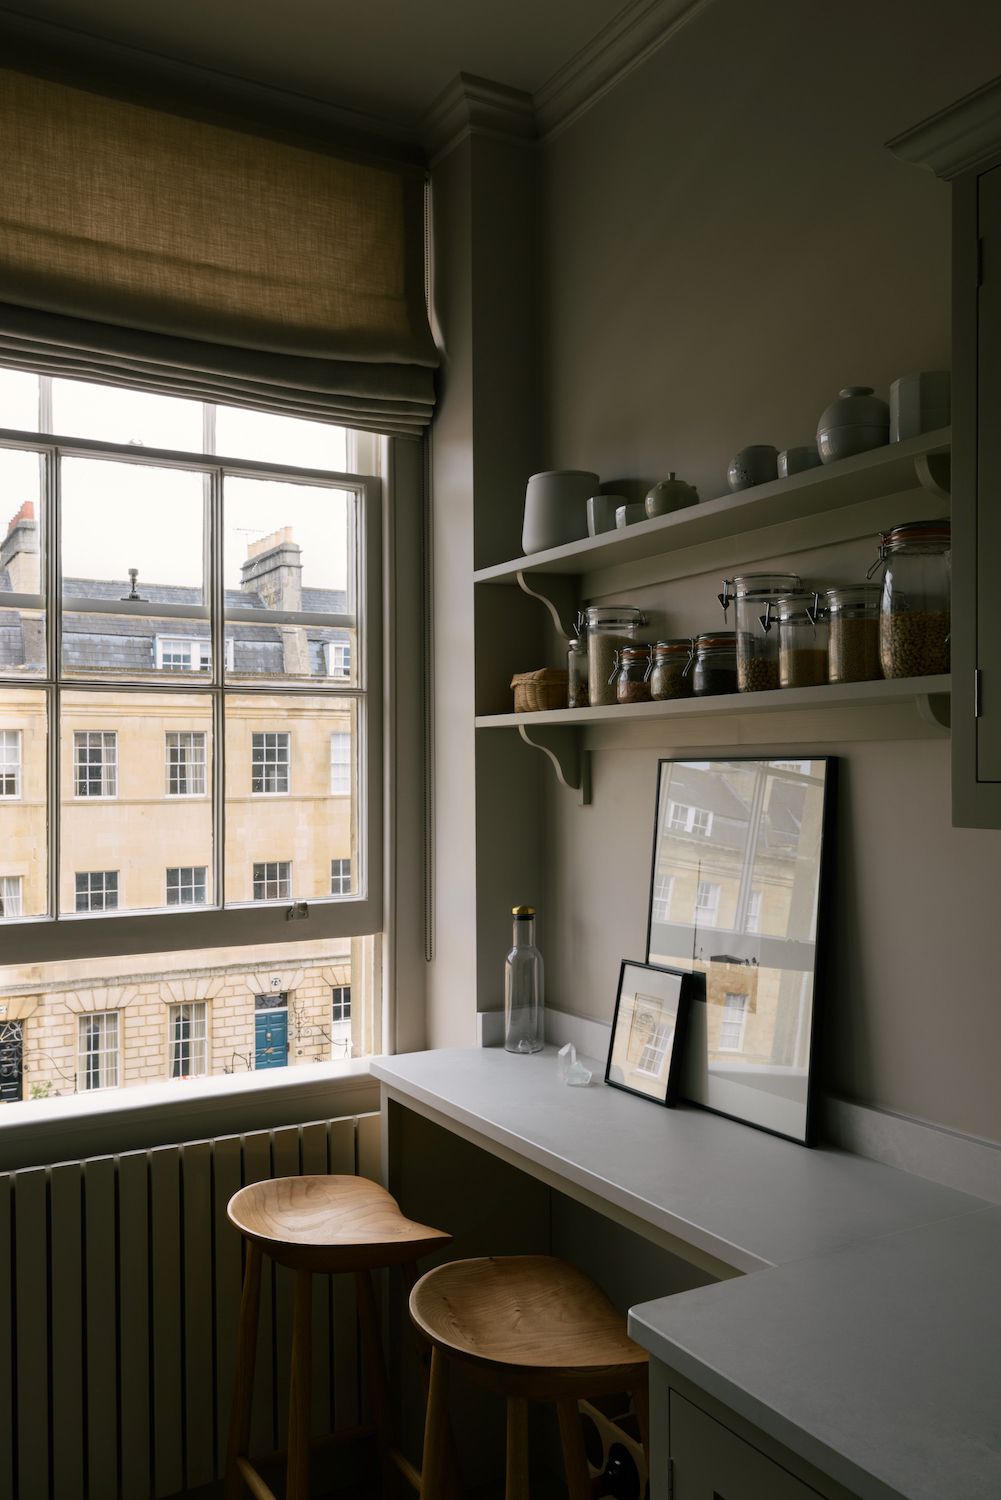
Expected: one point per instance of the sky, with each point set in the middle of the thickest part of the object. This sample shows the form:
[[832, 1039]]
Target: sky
[[118, 515]]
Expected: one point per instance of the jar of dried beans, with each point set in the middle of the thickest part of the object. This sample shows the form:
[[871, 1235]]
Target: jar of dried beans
[[802, 637], [853, 633], [757, 649], [632, 668], [914, 618], [714, 664], [669, 674]]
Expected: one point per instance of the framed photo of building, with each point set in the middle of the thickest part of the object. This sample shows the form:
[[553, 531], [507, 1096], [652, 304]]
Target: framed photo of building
[[648, 1028], [736, 895]]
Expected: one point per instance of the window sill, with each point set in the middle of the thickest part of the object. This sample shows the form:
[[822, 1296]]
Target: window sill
[[42, 1132]]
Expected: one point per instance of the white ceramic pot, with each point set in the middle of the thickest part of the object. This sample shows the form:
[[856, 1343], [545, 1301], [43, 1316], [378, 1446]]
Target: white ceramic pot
[[669, 495], [628, 515], [601, 512], [855, 423], [919, 403], [556, 508]]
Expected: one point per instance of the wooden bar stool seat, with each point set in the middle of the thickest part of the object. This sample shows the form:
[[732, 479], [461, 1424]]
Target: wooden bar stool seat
[[317, 1225], [529, 1328]]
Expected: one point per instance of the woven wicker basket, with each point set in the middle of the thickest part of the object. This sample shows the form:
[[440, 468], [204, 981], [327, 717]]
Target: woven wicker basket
[[535, 691]]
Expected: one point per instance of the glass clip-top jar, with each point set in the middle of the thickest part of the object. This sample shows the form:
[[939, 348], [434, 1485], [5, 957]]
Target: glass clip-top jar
[[630, 674], [853, 633], [609, 628], [713, 663], [669, 674], [757, 650], [915, 619], [802, 637], [578, 695]]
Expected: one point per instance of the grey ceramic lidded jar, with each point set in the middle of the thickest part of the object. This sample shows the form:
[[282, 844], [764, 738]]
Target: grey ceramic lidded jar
[[857, 421]]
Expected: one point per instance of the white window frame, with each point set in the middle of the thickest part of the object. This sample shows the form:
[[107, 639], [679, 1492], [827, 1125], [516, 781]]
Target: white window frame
[[188, 1027], [341, 1039], [182, 884], [192, 766], [195, 645], [11, 897], [754, 901], [107, 765], [339, 652], [89, 876], [266, 765], [732, 1014], [703, 909], [339, 877], [340, 764], [663, 890], [278, 879], [10, 764], [682, 817], [651, 1058], [105, 1025]]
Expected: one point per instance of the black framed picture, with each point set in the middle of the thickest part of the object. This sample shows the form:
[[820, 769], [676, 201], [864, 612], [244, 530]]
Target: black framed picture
[[648, 1028], [737, 896]]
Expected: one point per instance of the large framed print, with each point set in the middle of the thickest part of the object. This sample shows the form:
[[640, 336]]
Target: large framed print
[[648, 1030], [737, 896]]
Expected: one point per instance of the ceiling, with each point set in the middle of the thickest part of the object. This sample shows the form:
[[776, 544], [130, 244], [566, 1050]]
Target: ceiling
[[388, 59]]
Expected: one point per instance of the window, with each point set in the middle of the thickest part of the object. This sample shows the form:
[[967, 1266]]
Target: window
[[341, 1002], [186, 885], [97, 1056], [269, 763], [707, 904], [10, 763], [340, 1021], [754, 912], [663, 887], [685, 819], [176, 655], [340, 764], [340, 877], [273, 880], [95, 763], [338, 658], [189, 1039], [10, 896], [185, 763], [732, 1023], [97, 890], [651, 1059]]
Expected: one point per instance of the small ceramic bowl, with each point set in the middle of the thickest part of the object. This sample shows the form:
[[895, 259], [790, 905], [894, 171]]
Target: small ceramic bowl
[[628, 515], [795, 460]]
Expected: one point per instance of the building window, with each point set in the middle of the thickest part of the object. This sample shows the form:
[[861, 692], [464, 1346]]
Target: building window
[[340, 1021], [95, 763], [651, 1059], [186, 885], [685, 819], [341, 1002], [185, 763], [338, 658], [273, 880], [10, 896], [663, 887], [189, 1040], [10, 763], [269, 758], [97, 1061], [175, 654], [754, 912], [97, 890], [707, 904], [732, 1023], [340, 764], [340, 877]]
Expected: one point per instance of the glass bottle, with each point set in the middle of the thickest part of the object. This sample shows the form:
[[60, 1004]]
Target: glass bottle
[[914, 620], [757, 652], [577, 684], [523, 986]]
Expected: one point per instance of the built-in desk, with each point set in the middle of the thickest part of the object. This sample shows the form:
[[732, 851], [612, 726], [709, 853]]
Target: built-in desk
[[868, 1339]]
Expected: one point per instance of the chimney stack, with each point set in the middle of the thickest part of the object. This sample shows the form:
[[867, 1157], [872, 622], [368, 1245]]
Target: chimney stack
[[19, 551], [274, 571]]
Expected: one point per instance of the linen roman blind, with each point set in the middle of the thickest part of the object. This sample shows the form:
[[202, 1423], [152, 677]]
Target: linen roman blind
[[139, 246]]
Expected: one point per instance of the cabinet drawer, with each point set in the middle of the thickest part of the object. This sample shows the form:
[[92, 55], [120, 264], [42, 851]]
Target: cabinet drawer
[[712, 1463]]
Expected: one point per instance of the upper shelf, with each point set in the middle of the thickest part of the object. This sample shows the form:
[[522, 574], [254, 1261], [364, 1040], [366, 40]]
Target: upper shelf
[[869, 476]]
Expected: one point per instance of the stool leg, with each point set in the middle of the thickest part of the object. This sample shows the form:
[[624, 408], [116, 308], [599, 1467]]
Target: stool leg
[[452, 1491], [574, 1457], [299, 1400], [243, 1380], [434, 1466], [516, 1487], [375, 1375]]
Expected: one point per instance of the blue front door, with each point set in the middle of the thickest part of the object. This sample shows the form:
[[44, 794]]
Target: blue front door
[[271, 1039]]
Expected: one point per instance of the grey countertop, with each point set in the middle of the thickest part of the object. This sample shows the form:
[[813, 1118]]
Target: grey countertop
[[870, 1344]]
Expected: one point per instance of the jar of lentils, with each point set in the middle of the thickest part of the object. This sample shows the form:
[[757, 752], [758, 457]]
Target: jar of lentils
[[802, 633], [669, 674], [714, 664], [609, 628], [914, 618], [631, 673], [853, 633], [757, 649]]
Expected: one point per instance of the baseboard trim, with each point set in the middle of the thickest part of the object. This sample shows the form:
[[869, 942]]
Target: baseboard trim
[[964, 1162]]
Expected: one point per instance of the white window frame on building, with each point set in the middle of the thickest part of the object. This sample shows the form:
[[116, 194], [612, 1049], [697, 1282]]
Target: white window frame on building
[[95, 750], [186, 762], [733, 1014], [340, 877], [10, 764], [753, 923], [683, 818], [706, 909], [651, 1059], [663, 889], [340, 1020], [273, 878], [100, 884], [270, 763], [186, 885], [11, 896], [98, 1049], [192, 655], [338, 658], [188, 1032], [340, 763]]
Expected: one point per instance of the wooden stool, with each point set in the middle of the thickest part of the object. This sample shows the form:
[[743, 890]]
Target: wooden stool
[[530, 1328], [316, 1224]]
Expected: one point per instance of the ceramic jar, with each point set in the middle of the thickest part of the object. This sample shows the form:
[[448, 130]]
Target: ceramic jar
[[669, 495], [795, 460], [754, 465], [854, 423], [556, 508], [629, 514], [601, 512], [919, 403]]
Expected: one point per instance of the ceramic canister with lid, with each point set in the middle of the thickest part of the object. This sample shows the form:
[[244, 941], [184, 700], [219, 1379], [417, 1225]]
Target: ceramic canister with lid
[[757, 649], [556, 508], [609, 627], [857, 421], [914, 617]]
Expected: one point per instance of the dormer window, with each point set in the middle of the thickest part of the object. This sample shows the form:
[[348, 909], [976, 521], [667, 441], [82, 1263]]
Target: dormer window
[[338, 658], [177, 654]]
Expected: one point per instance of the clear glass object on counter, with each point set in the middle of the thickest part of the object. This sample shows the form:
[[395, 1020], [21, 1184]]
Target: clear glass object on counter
[[630, 672], [914, 618], [802, 634], [853, 633], [714, 664], [609, 627], [578, 694], [669, 674], [523, 986], [757, 649]]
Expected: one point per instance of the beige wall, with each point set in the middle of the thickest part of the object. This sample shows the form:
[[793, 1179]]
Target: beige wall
[[727, 243]]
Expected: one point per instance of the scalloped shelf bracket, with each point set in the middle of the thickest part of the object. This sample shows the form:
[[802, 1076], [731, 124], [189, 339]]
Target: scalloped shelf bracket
[[934, 473], [558, 592], [935, 709], [562, 746]]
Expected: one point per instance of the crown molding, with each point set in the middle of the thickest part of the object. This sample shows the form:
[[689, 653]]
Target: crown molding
[[965, 135], [475, 106], [635, 34]]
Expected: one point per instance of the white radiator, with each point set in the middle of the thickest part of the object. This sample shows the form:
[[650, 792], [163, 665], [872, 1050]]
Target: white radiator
[[119, 1294]]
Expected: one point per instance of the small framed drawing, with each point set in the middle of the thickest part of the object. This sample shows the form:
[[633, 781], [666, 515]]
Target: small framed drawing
[[651, 1009]]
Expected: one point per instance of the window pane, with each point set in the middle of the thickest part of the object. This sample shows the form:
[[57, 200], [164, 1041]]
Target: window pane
[[288, 546], [279, 440], [119, 518], [117, 415], [23, 817], [321, 653], [19, 400], [281, 810], [136, 799], [21, 479]]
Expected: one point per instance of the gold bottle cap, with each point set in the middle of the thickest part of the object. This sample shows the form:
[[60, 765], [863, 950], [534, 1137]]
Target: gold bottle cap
[[523, 911]]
